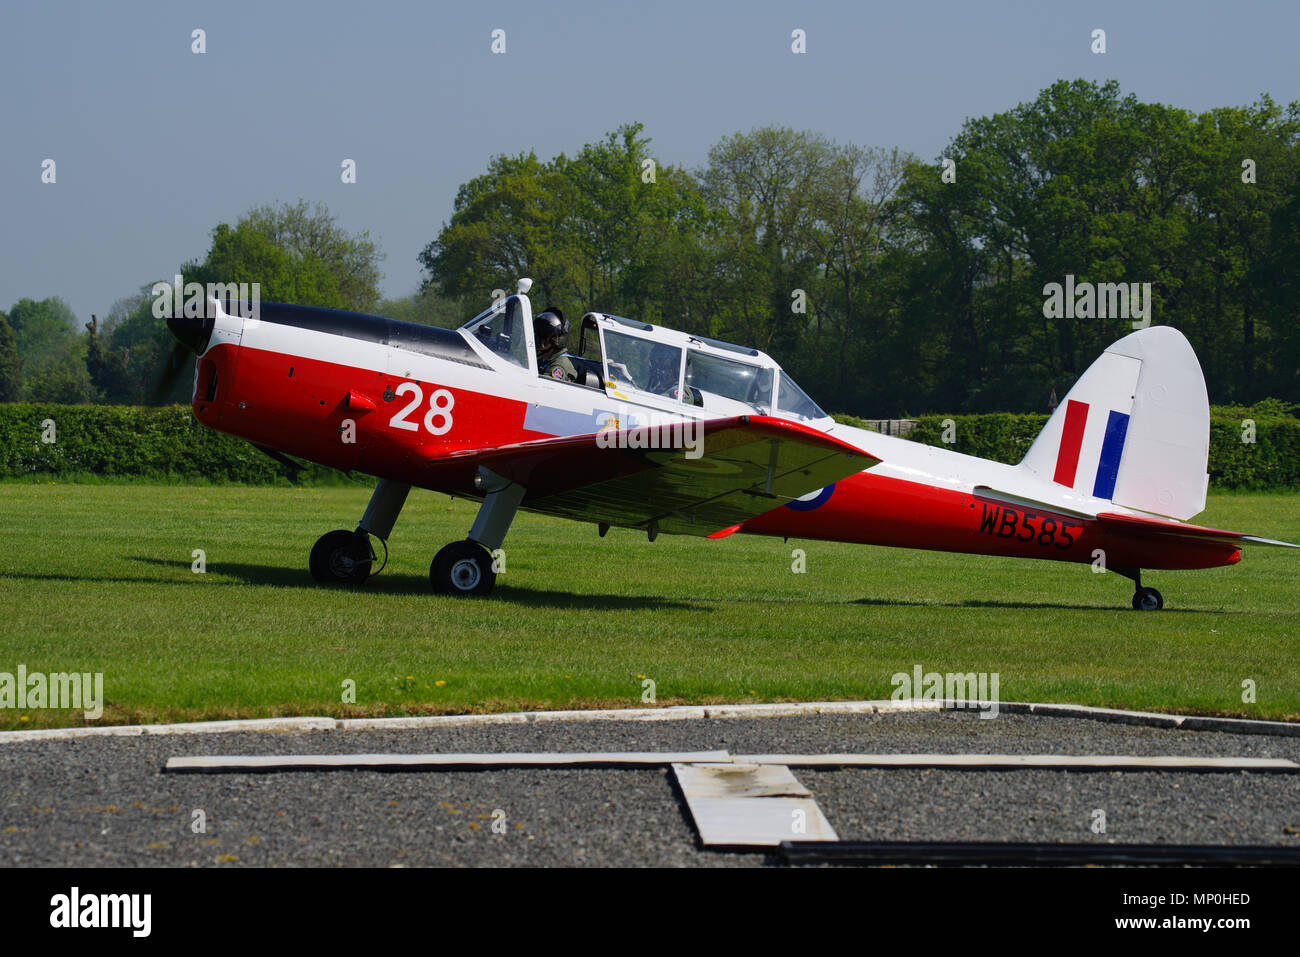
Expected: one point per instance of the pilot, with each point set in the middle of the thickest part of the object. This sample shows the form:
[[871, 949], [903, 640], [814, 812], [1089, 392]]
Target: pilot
[[665, 369], [550, 329]]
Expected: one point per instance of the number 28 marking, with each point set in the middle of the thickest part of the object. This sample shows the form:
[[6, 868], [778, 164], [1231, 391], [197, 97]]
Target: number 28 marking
[[440, 405]]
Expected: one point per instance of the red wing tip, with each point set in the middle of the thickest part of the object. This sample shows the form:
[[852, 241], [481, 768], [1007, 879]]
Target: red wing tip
[[725, 532]]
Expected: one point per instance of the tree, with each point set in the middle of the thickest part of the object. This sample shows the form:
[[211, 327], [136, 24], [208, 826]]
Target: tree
[[762, 184], [51, 355], [609, 229], [506, 224], [1089, 183], [106, 367], [134, 337], [296, 254], [854, 206], [428, 306], [11, 381]]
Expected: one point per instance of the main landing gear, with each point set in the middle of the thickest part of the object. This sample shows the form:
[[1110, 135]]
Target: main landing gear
[[469, 568], [341, 557], [1144, 599], [347, 558], [466, 568], [462, 568]]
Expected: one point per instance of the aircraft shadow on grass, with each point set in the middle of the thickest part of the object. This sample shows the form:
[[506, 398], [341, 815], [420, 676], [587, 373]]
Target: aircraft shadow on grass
[[418, 585], [394, 584], [1026, 605]]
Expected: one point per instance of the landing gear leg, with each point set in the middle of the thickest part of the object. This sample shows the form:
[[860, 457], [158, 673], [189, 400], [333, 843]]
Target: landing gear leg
[[1144, 599], [341, 557], [467, 568]]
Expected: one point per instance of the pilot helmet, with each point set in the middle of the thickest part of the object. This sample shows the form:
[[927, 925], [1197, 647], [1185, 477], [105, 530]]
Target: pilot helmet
[[550, 327]]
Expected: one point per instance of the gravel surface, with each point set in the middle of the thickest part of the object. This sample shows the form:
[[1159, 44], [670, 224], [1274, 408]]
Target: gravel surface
[[105, 801]]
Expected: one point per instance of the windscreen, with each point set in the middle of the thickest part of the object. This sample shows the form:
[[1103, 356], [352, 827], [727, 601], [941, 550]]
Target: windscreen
[[792, 400], [501, 330]]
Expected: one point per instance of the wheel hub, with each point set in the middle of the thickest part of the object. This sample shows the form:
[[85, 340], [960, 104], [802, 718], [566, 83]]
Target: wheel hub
[[465, 574], [341, 564]]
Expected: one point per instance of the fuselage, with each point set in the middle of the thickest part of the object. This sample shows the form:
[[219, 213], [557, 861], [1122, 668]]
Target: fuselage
[[385, 398]]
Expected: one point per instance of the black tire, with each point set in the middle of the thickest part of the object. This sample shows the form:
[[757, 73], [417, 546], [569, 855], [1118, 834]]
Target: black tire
[[331, 563], [463, 569], [1147, 599]]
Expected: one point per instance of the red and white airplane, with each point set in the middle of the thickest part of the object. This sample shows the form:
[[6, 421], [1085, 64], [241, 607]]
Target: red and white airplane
[[674, 433]]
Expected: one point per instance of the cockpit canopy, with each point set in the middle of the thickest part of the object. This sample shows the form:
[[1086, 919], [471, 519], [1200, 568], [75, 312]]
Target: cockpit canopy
[[718, 376], [651, 365]]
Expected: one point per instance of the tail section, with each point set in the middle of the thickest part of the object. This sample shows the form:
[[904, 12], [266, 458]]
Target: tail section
[[1134, 430]]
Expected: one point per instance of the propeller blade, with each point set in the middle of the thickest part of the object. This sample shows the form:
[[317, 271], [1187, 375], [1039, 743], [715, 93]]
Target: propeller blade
[[170, 372]]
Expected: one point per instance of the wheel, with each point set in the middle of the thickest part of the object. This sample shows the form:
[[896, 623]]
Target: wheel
[[332, 562], [1147, 599], [462, 568]]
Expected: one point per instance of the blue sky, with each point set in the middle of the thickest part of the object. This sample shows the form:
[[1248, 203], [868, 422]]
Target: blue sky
[[155, 145]]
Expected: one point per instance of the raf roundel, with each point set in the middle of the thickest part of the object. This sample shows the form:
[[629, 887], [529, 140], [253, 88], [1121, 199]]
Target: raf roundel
[[812, 500]]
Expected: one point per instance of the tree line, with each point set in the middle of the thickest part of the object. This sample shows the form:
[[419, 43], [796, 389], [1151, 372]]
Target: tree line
[[884, 284]]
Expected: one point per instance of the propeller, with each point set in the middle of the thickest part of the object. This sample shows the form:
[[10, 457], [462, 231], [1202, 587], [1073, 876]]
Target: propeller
[[169, 373], [192, 334]]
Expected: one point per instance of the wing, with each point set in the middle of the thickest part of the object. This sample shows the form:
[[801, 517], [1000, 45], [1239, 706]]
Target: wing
[[662, 478], [1167, 528]]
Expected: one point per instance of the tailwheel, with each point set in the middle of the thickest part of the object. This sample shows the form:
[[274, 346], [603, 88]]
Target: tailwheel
[[462, 568], [1147, 599], [341, 557]]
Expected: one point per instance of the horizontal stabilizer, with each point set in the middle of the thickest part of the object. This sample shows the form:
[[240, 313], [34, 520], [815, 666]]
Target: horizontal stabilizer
[[1020, 501], [1166, 528]]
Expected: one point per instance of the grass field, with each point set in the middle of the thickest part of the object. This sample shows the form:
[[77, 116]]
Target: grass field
[[97, 578]]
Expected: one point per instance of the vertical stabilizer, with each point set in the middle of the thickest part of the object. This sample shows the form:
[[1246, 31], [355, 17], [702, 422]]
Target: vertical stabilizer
[[1134, 430]]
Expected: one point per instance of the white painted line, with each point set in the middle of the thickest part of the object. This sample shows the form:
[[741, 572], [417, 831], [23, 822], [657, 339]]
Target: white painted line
[[1109, 762], [679, 713], [1187, 722], [750, 806], [194, 727], [1113, 715], [436, 762]]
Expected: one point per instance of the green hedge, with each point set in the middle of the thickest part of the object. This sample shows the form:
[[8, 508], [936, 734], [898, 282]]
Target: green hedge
[[166, 442], [1272, 461], [129, 441]]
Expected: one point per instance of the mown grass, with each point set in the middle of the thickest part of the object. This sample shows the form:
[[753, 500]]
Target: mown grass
[[98, 578]]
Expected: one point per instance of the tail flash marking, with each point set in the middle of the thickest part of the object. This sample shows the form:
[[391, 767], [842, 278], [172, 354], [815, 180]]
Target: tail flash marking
[[1067, 458], [1112, 448]]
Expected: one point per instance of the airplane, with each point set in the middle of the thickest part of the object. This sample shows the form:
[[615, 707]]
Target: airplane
[[673, 433]]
